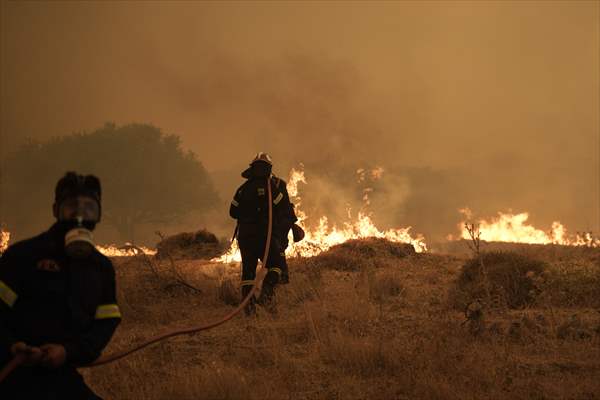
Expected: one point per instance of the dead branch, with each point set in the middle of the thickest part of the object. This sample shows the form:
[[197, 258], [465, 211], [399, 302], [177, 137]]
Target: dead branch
[[138, 252], [176, 274], [475, 246]]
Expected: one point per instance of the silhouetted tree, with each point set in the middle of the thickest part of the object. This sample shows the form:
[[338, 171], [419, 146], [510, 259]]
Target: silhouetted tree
[[146, 177]]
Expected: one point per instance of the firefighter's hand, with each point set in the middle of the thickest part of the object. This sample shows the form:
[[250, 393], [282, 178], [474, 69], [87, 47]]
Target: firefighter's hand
[[29, 354], [54, 355]]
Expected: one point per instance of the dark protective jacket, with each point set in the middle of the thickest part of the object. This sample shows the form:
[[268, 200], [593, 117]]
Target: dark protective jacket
[[47, 298], [250, 207]]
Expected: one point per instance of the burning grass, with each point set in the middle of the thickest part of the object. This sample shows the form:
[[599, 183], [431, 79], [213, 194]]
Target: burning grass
[[383, 329], [514, 228]]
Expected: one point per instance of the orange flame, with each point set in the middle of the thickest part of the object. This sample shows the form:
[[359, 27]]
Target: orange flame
[[508, 227], [109, 251], [123, 251], [4, 238], [325, 236]]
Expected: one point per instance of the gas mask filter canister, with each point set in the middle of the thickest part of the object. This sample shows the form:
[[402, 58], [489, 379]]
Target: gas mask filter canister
[[79, 241]]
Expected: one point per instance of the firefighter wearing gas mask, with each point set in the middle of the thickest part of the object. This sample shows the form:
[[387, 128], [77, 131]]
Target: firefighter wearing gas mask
[[58, 305], [250, 207]]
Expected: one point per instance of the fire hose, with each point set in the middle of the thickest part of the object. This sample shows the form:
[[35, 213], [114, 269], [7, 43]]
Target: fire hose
[[19, 359]]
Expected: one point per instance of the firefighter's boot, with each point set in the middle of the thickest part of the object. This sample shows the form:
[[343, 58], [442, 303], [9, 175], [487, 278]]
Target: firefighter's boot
[[267, 294], [250, 308]]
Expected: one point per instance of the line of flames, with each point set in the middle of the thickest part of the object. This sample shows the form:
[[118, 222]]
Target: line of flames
[[109, 250], [124, 251], [505, 227], [509, 227]]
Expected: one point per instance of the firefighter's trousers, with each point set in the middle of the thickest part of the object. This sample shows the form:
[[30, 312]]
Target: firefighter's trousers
[[252, 250]]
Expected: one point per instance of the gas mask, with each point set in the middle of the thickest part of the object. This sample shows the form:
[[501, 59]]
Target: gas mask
[[78, 216]]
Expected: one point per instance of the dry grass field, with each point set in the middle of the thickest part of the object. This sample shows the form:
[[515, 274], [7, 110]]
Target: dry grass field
[[363, 322]]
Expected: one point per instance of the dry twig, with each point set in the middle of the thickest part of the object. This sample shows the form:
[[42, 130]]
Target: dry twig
[[176, 274], [475, 246]]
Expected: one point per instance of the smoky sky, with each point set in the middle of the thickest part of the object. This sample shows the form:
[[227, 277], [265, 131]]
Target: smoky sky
[[499, 100]]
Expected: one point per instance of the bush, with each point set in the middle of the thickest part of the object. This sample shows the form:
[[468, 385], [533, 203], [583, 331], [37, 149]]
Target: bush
[[361, 254], [190, 245], [510, 274]]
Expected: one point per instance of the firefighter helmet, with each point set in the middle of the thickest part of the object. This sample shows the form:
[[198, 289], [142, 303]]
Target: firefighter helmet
[[72, 185], [262, 157]]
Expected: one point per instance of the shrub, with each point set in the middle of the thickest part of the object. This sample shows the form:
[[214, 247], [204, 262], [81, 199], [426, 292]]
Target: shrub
[[361, 254], [190, 245], [511, 274]]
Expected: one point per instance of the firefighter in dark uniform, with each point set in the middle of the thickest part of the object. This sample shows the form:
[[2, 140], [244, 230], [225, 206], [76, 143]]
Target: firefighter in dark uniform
[[250, 207], [58, 307]]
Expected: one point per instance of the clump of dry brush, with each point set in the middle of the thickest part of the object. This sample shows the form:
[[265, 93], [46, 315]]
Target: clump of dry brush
[[503, 279], [508, 274], [359, 255], [190, 245]]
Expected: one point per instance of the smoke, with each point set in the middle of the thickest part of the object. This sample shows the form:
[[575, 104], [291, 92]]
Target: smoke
[[491, 106]]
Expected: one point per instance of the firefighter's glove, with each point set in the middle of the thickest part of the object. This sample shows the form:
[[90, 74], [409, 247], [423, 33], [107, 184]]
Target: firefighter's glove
[[29, 355], [54, 355]]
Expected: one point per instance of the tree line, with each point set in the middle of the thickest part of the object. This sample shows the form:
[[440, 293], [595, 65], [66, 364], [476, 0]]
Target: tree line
[[146, 176]]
